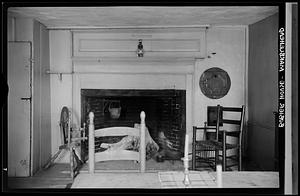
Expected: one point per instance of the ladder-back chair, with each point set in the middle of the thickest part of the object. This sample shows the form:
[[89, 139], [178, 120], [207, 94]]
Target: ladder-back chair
[[208, 149]]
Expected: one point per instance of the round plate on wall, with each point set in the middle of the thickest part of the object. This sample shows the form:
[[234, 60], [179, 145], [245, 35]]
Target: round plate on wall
[[214, 83]]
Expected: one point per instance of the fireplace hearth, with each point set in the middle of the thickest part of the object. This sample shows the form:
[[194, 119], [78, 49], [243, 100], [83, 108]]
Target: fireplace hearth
[[165, 111]]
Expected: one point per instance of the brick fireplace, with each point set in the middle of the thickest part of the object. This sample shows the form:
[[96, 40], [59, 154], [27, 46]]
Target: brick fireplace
[[165, 111]]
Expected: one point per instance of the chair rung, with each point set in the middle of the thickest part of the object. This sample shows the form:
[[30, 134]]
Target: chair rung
[[208, 158], [205, 128], [232, 157], [232, 165]]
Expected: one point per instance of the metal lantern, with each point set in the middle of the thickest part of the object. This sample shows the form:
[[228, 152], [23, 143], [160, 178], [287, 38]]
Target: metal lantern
[[140, 50]]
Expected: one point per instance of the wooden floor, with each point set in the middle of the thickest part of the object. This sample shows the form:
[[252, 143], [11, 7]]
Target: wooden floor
[[151, 165], [174, 180], [58, 177]]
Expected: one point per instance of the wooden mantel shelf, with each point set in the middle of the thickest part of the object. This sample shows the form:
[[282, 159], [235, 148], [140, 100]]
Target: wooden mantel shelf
[[133, 69], [135, 65], [136, 60]]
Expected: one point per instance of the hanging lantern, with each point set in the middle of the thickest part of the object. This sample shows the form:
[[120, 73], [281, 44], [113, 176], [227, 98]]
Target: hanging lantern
[[140, 50]]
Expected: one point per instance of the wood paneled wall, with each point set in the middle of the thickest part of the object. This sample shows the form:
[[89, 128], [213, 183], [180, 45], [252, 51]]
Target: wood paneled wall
[[41, 136], [189, 42], [263, 91]]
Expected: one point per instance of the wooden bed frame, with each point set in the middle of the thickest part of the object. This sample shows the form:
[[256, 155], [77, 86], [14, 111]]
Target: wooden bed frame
[[116, 154]]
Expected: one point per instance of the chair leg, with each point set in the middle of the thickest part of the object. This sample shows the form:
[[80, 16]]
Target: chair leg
[[240, 159], [224, 159], [224, 150], [193, 158], [194, 149], [216, 159], [71, 162]]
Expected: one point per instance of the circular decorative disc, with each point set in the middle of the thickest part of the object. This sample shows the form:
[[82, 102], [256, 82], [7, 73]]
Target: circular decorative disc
[[214, 83]]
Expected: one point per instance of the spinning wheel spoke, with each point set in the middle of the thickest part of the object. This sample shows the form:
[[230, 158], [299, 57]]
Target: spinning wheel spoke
[[64, 124]]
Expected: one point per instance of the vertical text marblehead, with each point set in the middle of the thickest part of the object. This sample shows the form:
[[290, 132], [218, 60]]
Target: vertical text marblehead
[[281, 77], [281, 49]]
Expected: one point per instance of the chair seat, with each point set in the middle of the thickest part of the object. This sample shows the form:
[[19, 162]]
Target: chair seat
[[211, 145]]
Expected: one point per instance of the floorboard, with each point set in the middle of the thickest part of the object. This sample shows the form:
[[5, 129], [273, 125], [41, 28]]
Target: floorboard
[[58, 175]]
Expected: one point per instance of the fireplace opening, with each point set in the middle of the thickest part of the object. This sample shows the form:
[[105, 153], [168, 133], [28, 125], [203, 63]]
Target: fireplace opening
[[165, 112]]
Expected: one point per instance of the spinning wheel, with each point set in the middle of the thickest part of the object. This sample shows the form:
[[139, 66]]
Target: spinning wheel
[[69, 144], [64, 124]]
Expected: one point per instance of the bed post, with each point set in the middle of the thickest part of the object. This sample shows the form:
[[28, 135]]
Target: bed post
[[142, 142], [91, 143]]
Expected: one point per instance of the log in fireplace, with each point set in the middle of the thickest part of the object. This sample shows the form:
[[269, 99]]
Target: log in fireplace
[[165, 111]]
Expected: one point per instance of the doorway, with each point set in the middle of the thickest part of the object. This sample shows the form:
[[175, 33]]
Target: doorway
[[19, 109]]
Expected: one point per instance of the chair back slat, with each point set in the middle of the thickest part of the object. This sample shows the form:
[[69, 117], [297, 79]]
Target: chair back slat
[[221, 120], [235, 122], [231, 109]]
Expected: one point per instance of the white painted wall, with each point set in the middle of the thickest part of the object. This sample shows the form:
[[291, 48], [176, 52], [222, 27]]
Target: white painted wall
[[263, 91], [45, 107], [227, 42], [61, 90], [229, 45]]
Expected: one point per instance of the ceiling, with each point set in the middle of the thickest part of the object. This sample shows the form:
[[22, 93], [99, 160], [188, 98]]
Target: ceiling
[[145, 16]]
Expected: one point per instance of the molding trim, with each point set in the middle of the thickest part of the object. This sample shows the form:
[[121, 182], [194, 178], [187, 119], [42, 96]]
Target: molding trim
[[134, 69], [134, 65], [124, 27]]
